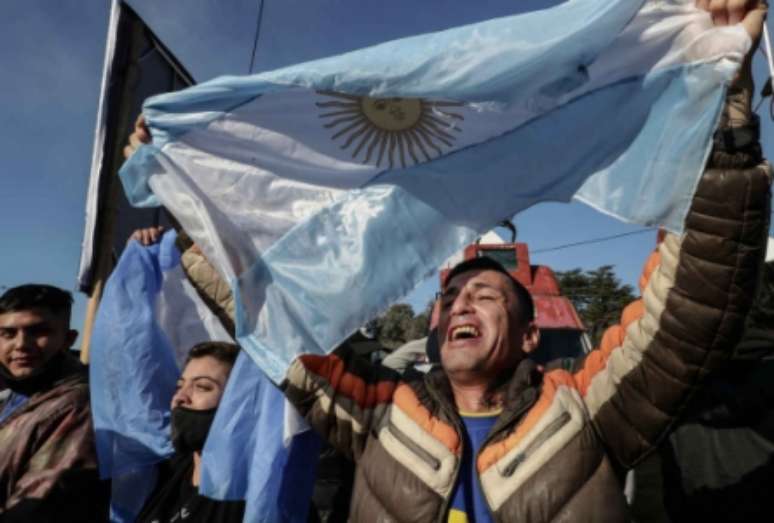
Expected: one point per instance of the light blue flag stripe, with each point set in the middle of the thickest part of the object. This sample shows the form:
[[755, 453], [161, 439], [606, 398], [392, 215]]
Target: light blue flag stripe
[[617, 146], [250, 413], [132, 375], [245, 456], [133, 371]]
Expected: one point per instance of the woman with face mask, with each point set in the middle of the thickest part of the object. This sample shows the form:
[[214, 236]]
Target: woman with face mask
[[199, 389]]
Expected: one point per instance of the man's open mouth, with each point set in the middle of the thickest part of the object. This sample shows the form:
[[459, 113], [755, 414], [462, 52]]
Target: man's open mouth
[[464, 332]]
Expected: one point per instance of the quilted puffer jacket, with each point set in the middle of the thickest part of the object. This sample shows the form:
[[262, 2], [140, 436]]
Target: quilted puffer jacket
[[566, 433]]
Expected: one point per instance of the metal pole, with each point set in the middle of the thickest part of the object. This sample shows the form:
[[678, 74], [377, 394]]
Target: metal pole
[[769, 58]]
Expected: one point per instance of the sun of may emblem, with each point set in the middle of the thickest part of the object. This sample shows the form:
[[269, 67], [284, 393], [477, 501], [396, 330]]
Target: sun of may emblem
[[390, 132]]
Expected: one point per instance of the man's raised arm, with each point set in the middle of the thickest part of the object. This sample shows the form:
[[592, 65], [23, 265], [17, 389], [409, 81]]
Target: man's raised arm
[[698, 286]]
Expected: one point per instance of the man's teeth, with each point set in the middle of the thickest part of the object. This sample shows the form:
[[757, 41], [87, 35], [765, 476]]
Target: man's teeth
[[465, 331]]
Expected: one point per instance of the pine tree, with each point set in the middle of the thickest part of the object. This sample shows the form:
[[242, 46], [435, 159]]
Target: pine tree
[[598, 296]]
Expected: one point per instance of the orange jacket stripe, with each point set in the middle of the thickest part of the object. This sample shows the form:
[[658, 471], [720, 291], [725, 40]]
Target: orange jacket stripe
[[494, 452], [332, 369], [614, 336], [651, 263], [406, 400]]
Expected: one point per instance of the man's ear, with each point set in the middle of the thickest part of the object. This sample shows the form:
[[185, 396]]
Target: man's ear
[[531, 338], [70, 338]]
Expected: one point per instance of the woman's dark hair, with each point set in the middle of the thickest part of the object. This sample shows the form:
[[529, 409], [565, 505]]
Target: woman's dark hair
[[220, 350]]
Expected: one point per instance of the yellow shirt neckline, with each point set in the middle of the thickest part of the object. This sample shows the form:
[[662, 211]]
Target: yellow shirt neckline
[[487, 414]]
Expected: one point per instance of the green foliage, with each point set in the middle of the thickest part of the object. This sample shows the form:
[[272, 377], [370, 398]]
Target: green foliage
[[399, 325], [598, 296]]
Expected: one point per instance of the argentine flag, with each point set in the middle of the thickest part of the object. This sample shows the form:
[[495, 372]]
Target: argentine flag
[[327, 190]]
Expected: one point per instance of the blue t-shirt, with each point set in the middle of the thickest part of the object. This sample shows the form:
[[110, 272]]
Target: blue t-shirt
[[468, 504], [14, 401]]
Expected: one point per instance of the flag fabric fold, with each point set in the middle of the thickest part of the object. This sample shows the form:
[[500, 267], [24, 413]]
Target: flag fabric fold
[[133, 370], [325, 191], [132, 376], [251, 455]]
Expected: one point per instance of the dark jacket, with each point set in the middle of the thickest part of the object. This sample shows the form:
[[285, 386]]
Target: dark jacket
[[175, 499], [48, 464], [718, 463], [565, 436]]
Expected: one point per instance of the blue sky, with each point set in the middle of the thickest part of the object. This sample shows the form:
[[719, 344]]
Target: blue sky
[[51, 57], [51, 60]]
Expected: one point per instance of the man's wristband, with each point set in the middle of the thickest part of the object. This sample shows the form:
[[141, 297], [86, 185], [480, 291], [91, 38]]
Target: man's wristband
[[734, 139]]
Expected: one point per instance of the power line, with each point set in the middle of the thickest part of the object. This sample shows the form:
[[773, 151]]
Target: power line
[[257, 32], [593, 240]]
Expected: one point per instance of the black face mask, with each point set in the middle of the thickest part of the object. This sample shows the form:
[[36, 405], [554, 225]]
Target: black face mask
[[190, 428]]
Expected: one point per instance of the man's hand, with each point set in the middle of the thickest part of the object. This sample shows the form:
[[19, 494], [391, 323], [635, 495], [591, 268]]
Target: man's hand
[[139, 136], [147, 236], [751, 13]]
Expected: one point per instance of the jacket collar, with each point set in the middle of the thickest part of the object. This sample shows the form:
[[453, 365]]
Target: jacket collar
[[520, 393]]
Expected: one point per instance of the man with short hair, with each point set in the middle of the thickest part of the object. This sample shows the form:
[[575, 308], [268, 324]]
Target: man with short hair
[[48, 468], [491, 436]]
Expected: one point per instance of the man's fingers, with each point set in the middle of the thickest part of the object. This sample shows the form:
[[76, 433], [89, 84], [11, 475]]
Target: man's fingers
[[754, 20], [131, 147], [147, 236], [155, 233], [141, 235], [727, 12], [139, 123], [737, 9], [718, 10], [140, 135], [751, 13], [143, 135], [141, 130], [134, 140]]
